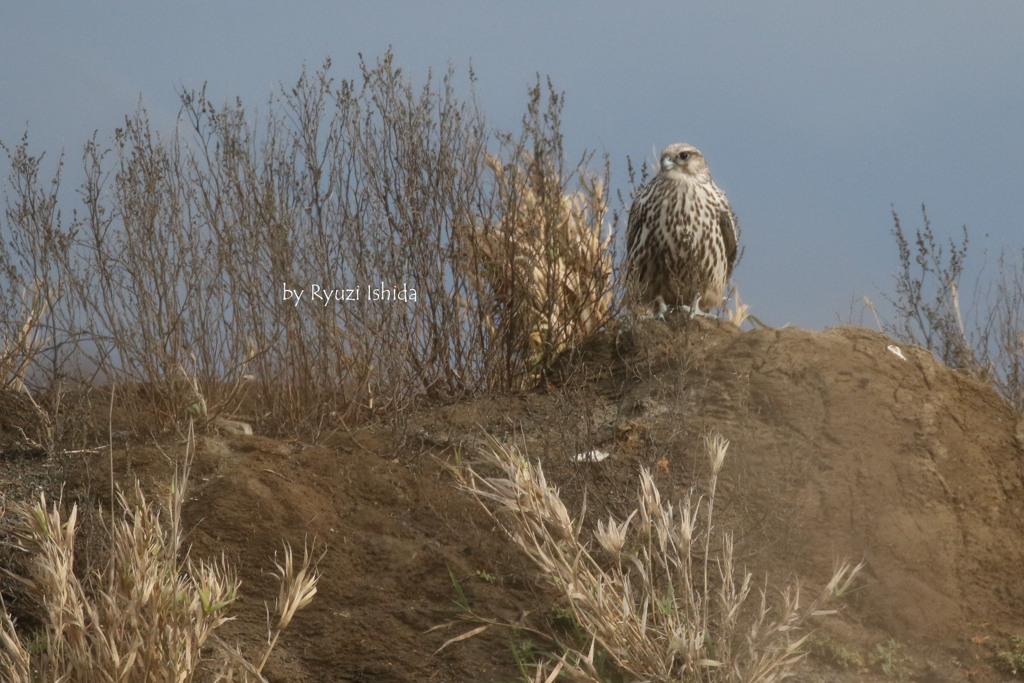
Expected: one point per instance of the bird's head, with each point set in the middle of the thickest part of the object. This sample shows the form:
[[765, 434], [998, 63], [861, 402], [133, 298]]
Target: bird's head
[[684, 159]]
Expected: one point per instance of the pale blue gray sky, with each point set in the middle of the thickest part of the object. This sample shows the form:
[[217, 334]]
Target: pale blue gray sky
[[815, 116]]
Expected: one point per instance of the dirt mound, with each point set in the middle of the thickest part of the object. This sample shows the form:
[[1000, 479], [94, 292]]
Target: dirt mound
[[396, 533], [843, 448], [904, 463], [840, 448]]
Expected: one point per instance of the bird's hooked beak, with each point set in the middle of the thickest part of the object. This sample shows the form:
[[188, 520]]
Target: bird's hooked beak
[[667, 164]]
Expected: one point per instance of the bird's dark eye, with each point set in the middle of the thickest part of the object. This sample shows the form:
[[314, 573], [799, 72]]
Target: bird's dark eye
[[683, 156]]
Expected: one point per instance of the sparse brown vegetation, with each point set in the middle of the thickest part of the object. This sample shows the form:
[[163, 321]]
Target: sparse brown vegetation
[[366, 245], [149, 613], [666, 598], [983, 333]]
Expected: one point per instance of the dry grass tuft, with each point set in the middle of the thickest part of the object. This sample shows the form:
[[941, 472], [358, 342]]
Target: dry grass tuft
[[149, 614], [660, 592], [548, 264]]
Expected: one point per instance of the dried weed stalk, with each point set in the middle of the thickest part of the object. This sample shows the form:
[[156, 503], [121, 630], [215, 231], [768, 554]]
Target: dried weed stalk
[[660, 592], [927, 299], [21, 339], [982, 335]]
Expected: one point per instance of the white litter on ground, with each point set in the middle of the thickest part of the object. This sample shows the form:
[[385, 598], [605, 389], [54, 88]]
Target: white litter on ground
[[591, 456]]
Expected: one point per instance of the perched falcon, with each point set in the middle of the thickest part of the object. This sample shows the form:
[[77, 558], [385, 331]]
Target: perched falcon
[[681, 240]]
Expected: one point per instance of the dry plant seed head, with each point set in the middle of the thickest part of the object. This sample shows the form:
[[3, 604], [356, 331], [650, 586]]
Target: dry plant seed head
[[687, 521], [649, 494], [298, 588], [613, 536], [716, 446]]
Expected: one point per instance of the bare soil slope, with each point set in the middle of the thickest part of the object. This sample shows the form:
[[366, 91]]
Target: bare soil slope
[[839, 449]]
